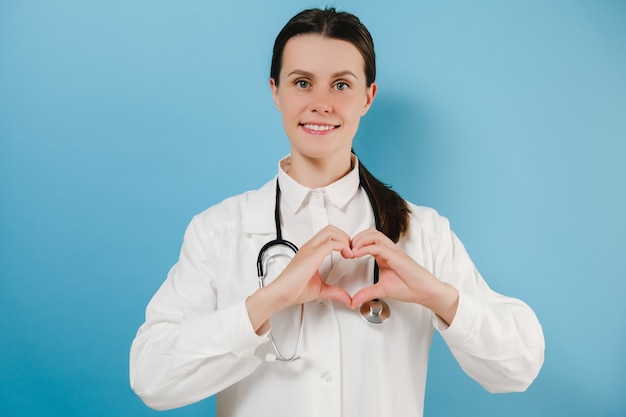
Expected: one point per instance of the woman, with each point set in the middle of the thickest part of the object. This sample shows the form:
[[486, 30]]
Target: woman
[[210, 329]]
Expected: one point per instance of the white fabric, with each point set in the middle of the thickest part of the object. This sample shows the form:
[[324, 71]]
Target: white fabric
[[197, 340]]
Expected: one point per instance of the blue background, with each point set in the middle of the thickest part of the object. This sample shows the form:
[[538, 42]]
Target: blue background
[[119, 120]]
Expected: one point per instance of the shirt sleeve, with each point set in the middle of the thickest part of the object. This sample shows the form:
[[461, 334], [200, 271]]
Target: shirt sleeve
[[188, 349], [497, 340]]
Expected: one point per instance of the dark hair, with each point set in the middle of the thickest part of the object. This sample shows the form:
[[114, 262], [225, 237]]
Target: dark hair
[[393, 209], [331, 24]]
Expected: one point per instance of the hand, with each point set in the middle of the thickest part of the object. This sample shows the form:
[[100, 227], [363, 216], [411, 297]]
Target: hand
[[300, 281], [401, 278]]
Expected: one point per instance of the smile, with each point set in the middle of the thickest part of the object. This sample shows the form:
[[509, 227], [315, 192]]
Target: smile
[[318, 128]]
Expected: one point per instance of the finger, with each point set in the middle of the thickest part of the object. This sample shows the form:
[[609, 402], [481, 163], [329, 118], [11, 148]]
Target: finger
[[313, 253], [330, 232], [368, 293], [347, 253], [330, 292], [375, 249], [369, 233], [370, 237], [330, 239], [343, 247]]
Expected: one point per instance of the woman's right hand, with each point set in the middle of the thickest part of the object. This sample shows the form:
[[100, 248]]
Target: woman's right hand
[[300, 281]]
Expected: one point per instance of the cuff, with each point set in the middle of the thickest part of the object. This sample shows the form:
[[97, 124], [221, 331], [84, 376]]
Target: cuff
[[238, 331], [463, 323]]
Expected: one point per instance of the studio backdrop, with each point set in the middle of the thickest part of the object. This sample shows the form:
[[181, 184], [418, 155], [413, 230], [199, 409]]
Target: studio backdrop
[[120, 120]]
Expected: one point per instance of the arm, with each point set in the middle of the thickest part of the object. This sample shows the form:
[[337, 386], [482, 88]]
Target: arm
[[187, 349], [497, 340], [300, 281]]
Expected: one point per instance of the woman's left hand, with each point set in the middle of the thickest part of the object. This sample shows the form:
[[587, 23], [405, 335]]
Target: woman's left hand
[[401, 278]]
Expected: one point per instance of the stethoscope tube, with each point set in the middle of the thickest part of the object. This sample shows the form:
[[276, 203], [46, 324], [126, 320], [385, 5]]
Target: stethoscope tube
[[261, 274], [279, 236], [375, 311]]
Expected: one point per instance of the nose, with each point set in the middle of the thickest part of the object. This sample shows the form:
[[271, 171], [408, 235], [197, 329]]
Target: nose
[[322, 101]]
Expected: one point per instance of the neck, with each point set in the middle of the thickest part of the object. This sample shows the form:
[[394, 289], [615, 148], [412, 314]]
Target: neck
[[316, 173]]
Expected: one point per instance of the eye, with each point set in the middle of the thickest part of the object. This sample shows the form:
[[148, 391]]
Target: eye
[[342, 85], [302, 84]]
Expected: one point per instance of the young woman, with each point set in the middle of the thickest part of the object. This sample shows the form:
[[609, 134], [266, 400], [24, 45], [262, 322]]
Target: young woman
[[342, 247]]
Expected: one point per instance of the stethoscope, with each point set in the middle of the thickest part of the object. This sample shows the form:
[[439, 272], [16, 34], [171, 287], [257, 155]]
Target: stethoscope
[[374, 311]]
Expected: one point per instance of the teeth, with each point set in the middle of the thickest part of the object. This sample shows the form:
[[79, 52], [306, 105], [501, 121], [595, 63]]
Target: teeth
[[319, 128]]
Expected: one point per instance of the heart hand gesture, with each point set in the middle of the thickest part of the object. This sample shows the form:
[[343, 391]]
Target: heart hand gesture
[[401, 278]]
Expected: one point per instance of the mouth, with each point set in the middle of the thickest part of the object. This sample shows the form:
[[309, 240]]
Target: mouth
[[318, 128]]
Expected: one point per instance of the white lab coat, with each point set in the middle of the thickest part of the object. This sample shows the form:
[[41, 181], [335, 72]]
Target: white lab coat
[[197, 340]]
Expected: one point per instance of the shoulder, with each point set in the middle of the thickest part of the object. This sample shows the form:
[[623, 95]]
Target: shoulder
[[233, 210], [426, 221], [427, 226], [428, 238]]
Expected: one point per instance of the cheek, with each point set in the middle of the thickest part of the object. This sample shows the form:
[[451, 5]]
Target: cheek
[[352, 107], [290, 104]]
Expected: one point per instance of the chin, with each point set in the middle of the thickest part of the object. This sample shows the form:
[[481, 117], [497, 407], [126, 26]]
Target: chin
[[322, 153]]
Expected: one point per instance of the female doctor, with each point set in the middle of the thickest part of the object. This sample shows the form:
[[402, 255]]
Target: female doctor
[[294, 342]]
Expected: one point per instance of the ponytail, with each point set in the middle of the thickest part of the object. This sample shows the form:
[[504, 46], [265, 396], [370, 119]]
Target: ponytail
[[393, 209]]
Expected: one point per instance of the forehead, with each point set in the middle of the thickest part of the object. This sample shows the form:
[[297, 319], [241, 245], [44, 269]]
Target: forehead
[[321, 55]]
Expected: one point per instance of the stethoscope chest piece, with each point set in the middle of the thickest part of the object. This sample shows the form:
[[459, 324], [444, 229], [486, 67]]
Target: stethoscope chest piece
[[375, 311]]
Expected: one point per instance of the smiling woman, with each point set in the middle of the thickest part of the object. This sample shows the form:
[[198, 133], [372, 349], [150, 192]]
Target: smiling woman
[[210, 329], [322, 95]]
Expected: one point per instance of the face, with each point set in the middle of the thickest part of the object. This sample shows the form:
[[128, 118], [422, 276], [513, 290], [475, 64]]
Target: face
[[322, 95]]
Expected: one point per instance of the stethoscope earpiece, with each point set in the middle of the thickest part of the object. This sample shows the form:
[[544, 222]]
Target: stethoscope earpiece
[[375, 311]]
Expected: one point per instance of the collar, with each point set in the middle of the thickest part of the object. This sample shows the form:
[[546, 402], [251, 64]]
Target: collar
[[338, 193]]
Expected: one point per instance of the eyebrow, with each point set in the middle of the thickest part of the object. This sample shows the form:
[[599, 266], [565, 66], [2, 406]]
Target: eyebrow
[[310, 74]]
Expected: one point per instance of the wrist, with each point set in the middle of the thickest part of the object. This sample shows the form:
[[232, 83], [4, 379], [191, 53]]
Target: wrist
[[444, 302], [261, 305]]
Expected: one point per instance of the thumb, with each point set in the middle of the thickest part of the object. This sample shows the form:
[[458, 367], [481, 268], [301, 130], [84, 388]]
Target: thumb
[[330, 292], [368, 293]]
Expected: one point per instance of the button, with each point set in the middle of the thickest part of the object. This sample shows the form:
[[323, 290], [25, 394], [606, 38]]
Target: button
[[323, 303], [327, 377]]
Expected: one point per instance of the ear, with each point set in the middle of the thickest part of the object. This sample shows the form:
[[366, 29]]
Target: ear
[[274, 89], [370, 93]]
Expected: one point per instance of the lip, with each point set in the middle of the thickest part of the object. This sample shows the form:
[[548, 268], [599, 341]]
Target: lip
[[318, 128]]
